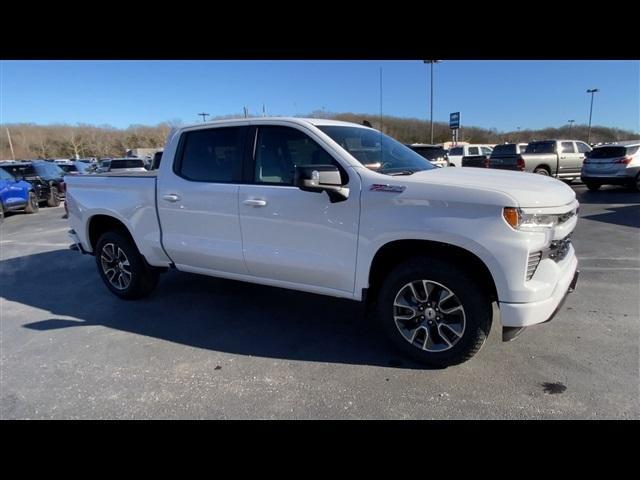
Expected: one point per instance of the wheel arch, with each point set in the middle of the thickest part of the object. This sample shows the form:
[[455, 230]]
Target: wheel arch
[[544, 166], [101, 223], [393, 252]]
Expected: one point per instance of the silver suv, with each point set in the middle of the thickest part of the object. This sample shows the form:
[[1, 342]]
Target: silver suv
[[613, 164]]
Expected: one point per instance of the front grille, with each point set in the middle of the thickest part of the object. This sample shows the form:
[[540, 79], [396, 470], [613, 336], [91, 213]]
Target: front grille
[[532, 264]]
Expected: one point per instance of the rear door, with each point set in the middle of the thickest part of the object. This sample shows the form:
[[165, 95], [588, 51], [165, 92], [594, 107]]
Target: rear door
[[198, 201], [290, 235], [570, 161]]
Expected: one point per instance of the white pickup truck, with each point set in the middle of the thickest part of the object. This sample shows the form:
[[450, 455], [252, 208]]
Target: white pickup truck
[[288, 202]]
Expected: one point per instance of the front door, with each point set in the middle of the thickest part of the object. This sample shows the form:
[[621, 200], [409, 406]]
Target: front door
[[290, 235]]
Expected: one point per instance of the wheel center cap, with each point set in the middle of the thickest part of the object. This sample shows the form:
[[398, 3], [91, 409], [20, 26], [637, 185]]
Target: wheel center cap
[[430, 313], [119, 264]]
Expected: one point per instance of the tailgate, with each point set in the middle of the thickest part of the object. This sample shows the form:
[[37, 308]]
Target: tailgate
[[475, 161]]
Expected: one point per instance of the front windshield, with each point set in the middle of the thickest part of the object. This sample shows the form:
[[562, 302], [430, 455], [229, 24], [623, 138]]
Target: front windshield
[[48, 170], [377, 151]]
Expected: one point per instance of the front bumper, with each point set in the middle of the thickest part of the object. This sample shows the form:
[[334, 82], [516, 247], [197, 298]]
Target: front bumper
[[532, 313]]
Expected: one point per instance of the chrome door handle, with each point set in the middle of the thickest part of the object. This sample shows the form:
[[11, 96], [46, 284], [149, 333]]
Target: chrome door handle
[[171, 197], [255, 202]]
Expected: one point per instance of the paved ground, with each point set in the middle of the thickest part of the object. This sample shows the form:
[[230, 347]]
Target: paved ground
[[208, 348]]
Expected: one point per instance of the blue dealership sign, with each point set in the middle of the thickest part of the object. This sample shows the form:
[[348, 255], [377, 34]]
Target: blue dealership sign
[[454, 120]]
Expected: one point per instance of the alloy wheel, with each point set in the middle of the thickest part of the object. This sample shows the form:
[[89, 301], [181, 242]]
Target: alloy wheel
[[429, 315], [115, 266]]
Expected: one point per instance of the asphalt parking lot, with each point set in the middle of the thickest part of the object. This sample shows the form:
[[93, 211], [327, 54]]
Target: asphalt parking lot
[[200, 347]]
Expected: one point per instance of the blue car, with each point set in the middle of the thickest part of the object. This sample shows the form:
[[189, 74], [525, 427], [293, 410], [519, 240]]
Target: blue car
[[16, 194]]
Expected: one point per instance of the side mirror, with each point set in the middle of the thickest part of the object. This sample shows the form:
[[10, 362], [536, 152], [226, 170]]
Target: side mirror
[[321, 178]]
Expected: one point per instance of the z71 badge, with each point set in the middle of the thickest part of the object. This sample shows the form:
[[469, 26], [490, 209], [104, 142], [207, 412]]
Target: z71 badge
[[379, 187]]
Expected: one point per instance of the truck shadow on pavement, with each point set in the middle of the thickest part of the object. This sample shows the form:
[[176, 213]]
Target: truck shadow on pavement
[[199, 311], [609, 194], [628, 216]]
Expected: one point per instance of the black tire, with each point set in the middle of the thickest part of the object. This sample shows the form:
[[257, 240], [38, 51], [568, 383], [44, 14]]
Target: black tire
[[32, 204], [593, 186], [1, 212], [635, 184], [143, 278], [54, 198], [542, 171], [468, 291]]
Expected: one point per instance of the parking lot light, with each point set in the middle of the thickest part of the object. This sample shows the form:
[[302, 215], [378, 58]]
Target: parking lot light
[[592, 91]]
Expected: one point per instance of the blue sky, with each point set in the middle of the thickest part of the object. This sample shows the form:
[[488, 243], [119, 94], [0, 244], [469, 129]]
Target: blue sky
[[491, 94]]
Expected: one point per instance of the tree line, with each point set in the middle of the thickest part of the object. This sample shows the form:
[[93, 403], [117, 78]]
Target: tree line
[[31, 141]]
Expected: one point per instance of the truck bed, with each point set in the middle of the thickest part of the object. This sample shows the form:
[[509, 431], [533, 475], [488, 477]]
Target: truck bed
[[129, 197]]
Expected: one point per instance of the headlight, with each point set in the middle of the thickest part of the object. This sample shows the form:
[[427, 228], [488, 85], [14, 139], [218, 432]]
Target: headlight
[[529, 222]]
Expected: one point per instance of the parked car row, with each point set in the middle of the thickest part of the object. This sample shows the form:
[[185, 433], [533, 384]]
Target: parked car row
[[30, 184]]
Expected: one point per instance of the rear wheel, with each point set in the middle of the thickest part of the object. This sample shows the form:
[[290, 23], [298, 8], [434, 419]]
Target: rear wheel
[[122, 268], [542, 171], [1, 212], [635, 185], [54, 198], [593, 186], [32, 203], [434, 312]]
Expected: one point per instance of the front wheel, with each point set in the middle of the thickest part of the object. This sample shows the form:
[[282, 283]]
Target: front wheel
[[122, 268], [435, 312], [542, 171], [593, 186], [32, 204]]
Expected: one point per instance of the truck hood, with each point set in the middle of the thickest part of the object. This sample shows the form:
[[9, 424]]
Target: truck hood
[[528, 189]]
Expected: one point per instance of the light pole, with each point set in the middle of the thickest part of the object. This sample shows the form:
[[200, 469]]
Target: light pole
[[431, 102], [570, 125], [592, 91]]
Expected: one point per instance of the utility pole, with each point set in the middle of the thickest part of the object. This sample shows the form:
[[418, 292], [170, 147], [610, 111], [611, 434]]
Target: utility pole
[[381, 106], [570, 125], [264, 112], [592, 91], [431, 102], [13, 156], [203, 115], [246, 113]]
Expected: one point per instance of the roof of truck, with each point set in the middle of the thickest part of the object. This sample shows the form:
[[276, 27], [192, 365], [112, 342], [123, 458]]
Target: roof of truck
[[298, 120]]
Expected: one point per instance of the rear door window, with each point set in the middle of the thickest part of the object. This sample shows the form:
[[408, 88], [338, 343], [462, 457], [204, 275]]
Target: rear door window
[[474, 151], [567, 147], [212, 155]]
